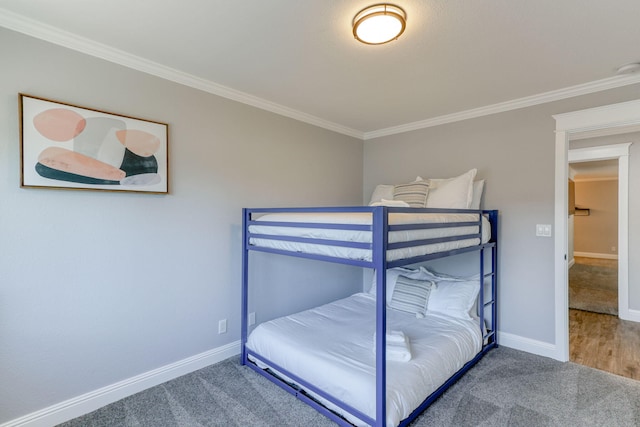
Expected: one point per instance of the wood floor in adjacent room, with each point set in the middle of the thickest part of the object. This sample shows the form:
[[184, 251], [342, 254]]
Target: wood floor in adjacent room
[[603, 341]]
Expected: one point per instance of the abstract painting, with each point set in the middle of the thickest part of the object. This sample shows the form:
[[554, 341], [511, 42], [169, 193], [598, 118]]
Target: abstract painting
[[71, 147]]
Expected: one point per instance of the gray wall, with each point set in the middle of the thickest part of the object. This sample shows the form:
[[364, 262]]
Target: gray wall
[[514, 152], [597, 233], [81, 306]]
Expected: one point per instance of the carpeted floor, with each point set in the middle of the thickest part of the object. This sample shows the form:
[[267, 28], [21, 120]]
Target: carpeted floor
[[507, 388], [593, 288]]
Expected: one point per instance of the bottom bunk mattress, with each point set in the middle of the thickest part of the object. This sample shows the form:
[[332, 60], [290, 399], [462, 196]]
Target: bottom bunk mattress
[[332, 347]]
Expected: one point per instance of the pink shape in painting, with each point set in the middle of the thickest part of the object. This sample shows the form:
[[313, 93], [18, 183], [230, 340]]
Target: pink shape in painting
[[139, 142], [64, 160], [59, 124]]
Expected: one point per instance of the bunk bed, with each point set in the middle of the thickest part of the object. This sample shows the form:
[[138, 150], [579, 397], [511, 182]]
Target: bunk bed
[[354, 375]]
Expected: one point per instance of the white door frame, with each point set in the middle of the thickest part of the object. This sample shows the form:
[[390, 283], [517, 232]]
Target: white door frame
[[600, 121]]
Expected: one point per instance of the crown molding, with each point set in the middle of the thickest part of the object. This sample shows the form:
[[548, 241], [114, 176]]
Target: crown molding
[[604, 132], [90, 47], [515, 104]]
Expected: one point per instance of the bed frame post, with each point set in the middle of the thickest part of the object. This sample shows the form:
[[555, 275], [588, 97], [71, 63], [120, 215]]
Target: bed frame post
[[493, 274], [493, 219], [380, 235], [246, 216], [481, 305]]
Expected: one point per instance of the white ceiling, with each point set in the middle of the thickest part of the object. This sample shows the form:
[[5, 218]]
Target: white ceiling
[[457, 58], [595, 170]]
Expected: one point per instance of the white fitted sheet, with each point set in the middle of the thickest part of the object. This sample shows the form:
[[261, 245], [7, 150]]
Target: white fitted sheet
[[365, 218], [332, 347]]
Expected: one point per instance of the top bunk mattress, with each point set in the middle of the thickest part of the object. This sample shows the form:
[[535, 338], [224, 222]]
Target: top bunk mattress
[[332, 347], [265, 230]]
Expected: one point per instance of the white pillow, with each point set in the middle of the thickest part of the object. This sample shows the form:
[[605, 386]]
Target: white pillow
[[455, 299], [382, 191], [450, 295], [436, 276], [478, 188], [392, 277], [453, 193]]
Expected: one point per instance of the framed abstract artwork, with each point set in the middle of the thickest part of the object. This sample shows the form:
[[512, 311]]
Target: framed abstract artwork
[[70, 147]]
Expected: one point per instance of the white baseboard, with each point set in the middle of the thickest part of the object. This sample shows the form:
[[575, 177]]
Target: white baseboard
[[88, 402], [633, 315], [527, 344], [595, 255], [543, 348]]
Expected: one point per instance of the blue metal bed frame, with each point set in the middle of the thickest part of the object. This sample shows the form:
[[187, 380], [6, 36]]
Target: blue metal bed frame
[[379, 228]]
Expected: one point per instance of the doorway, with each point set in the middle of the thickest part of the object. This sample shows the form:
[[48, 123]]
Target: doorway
[[601, 121], [593, 234], [596, 337], [600, 340], [620, 154]]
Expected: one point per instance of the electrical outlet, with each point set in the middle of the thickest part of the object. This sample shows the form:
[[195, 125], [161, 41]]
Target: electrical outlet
[[613, 248], [252, 318], [222, 326]]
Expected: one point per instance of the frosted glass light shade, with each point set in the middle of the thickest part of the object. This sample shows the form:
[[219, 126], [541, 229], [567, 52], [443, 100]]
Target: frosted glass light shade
[[379, 24]]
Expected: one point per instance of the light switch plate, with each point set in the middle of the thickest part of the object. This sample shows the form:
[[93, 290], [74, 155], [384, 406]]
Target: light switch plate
[[543, 230]]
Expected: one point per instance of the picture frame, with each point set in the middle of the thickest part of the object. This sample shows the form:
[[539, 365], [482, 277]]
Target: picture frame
[[65, 146]]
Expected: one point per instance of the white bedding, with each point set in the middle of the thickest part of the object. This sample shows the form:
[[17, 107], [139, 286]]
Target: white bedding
[[332, 347], [364, 218]]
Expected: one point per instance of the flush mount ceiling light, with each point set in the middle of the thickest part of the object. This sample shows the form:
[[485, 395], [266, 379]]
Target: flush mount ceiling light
[[379, 24]]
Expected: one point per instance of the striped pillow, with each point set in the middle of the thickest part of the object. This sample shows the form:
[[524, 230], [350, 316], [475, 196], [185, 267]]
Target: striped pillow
[[411, 296], [414, 193]]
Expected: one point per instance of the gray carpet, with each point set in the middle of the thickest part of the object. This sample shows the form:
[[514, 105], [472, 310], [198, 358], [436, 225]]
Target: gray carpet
[[507, 388], [593, 288]]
